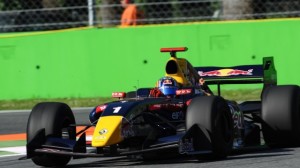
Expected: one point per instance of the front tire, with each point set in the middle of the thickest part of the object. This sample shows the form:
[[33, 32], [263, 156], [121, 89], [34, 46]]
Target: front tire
[[212, 113], [56, 119]]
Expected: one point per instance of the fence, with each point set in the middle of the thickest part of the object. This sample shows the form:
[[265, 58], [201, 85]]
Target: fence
[[37, 15]]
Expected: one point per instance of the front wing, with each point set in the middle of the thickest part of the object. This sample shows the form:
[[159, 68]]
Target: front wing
[[193, 141]]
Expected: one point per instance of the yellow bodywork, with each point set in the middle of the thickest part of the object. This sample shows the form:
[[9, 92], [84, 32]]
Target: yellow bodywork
[[107, 131], [186, 75], [179, 76]]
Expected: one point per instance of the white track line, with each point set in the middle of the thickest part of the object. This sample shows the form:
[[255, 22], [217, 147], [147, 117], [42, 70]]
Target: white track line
[[15, 151]]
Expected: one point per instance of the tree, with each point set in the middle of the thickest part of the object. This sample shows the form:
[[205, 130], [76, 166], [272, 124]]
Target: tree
[[10, 5]]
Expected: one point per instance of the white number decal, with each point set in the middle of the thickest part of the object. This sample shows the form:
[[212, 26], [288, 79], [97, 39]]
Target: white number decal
[[117, 109]]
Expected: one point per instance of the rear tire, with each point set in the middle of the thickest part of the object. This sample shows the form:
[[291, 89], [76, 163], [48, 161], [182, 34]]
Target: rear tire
[[56, 119], [281, 116], [212, 113]]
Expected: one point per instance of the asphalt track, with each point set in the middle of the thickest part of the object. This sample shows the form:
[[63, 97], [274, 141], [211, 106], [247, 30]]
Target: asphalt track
[[15, 122], [280, 158]]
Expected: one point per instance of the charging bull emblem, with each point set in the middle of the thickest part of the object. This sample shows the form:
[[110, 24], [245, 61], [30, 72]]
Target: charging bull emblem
[[226, 72]]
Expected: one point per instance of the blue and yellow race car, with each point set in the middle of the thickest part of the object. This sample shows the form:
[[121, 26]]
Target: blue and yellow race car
[[179, 116]]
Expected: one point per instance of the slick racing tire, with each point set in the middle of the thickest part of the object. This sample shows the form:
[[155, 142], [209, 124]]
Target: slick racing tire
[[55, 119], [281, 116], [213, 114]]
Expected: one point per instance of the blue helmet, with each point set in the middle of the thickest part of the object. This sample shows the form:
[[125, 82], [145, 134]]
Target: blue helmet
[[167, 86]]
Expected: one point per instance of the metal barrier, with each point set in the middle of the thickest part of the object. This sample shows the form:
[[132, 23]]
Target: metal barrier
[[38, 15]]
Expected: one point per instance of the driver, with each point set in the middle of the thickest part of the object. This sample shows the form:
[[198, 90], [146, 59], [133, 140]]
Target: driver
[[204, 87], [166, 86]]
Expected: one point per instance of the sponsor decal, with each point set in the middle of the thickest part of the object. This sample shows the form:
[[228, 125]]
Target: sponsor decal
[[100, 137], [100, 108], [167, 107], [226, 72], [127, 132], [240, 72], [127, 129], [186, 145], [183, 91], [155, 107], [188, 102], [237, 120], [118, 94], [103, 131], [177, 115], [237, 117]]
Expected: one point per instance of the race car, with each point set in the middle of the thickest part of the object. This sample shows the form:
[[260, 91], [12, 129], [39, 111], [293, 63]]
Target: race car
[[182, 120]]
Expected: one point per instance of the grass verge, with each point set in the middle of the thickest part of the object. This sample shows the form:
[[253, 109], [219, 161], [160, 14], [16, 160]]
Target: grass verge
[[72, 102], [5, 144], [237, 95]]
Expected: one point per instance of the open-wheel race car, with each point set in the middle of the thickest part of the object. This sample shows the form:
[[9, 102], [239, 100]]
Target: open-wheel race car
[[180, 116]]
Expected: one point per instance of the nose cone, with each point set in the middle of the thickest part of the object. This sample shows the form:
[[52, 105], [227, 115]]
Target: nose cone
[[108, 131]]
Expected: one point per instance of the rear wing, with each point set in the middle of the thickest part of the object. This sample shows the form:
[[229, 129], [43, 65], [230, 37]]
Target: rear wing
[[244, 74]]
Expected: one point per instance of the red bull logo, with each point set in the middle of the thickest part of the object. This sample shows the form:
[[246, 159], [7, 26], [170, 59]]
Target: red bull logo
[[226, 72]]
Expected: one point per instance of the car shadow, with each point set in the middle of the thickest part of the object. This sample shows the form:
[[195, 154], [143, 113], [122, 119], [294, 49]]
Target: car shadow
[[236, 155]]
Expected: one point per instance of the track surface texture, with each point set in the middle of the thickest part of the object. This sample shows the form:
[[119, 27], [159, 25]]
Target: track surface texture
[[15, 122], [279, 158]]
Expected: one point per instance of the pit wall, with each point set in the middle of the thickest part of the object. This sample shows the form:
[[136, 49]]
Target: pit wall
[[94, 62]]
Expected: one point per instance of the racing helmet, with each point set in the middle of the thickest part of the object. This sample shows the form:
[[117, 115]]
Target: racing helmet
[[168, 86]]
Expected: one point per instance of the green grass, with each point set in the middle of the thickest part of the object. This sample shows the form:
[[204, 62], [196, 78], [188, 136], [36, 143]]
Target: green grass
[[72, 102], [5, 144], [6, 153], [237, 95], [241, 95]]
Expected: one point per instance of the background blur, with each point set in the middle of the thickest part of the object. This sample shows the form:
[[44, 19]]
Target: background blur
[[36, 15], [100, 57]]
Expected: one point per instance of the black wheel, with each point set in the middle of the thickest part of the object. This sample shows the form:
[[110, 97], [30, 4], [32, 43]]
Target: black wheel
[[56, 119], [212, 113], [281, 116]]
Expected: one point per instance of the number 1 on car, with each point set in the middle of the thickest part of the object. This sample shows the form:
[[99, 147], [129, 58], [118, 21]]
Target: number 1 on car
[[117, 109]]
